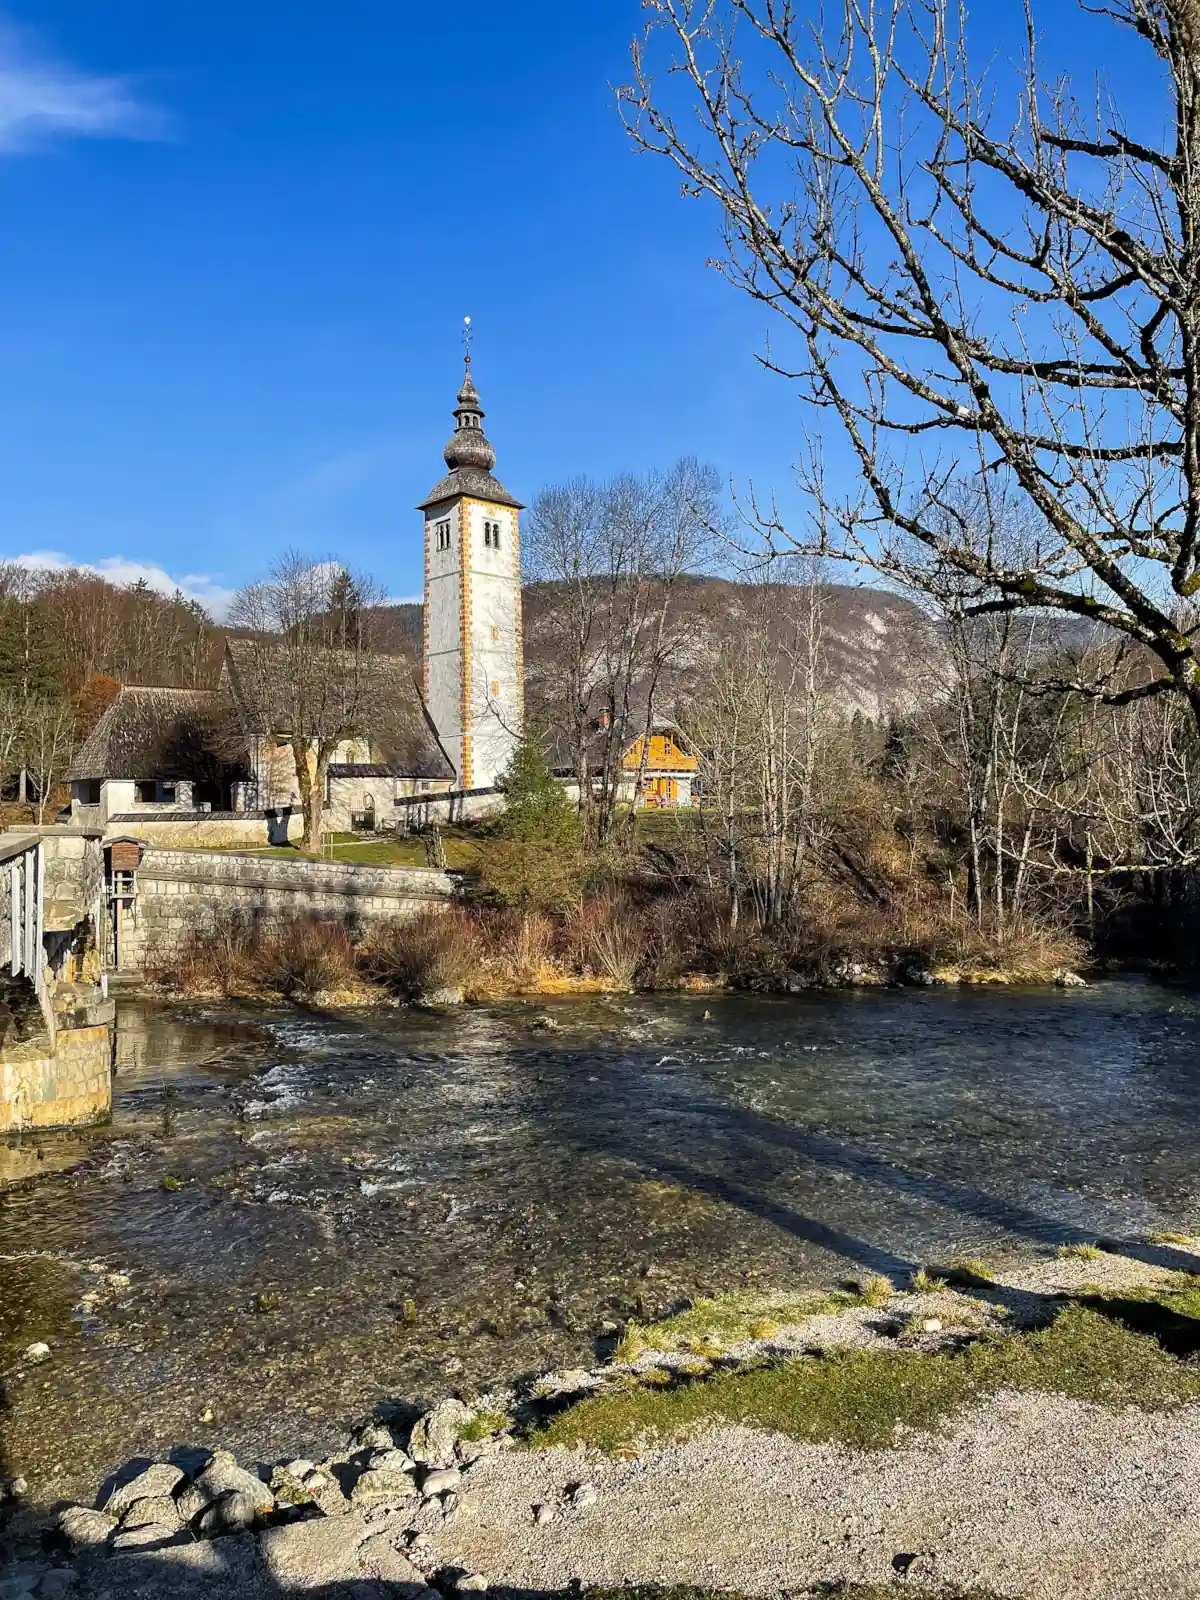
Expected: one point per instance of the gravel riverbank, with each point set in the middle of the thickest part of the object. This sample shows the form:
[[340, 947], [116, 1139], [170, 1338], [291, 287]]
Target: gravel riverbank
[[1025, 1493]]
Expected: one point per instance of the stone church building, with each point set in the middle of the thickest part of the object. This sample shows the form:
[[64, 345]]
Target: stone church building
[[161, 763]]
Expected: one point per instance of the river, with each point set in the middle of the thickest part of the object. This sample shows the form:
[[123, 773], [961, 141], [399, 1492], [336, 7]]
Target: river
[[294, 1215]]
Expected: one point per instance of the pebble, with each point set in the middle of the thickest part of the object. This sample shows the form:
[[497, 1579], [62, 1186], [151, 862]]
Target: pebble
[[18, 1487], [932, 1325], [543, 1514], [443, 1479], [391, 1460], [36, 1353], [584, 1495], [472, 1583]]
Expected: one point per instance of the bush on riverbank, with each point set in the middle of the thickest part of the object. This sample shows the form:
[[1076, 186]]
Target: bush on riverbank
[[618, 938]]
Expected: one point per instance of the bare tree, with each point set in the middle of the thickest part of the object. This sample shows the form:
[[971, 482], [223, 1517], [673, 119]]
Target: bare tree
[[306, 675], [1019, 302], [610, 558], [761, 719], [47, 744]]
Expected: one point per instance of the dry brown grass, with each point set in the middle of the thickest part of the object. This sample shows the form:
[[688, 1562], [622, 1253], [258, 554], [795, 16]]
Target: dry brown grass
[[438, 948], [306, 955]]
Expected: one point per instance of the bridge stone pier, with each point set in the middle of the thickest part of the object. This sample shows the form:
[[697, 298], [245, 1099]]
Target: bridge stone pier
[[55, 1014]]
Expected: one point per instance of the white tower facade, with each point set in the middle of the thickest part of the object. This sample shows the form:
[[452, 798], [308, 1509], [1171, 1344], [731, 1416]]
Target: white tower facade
[[473, 667]]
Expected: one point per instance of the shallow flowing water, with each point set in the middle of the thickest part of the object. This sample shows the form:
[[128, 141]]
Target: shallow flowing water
[[292, 1216]]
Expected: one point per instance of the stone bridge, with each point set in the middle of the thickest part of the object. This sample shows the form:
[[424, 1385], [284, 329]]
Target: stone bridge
[[55, 1014]]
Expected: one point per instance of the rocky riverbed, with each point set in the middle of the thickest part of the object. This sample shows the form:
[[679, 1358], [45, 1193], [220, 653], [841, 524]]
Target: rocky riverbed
[[1028, 1491]]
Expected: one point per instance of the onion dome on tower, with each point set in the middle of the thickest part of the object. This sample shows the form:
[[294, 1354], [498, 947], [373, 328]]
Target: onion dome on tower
[[469, 455]]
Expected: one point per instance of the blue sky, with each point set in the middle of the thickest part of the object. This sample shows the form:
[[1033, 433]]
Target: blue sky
[[237, 242], [238, 238]]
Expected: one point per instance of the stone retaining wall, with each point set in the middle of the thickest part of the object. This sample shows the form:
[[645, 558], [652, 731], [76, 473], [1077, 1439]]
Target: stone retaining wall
[[180, 892], [67, 1084]]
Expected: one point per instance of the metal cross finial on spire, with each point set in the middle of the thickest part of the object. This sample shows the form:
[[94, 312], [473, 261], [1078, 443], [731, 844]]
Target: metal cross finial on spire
[[467, 338]]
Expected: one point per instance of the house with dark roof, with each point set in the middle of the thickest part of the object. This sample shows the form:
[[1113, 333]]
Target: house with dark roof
[[173, 764], [155, 753]]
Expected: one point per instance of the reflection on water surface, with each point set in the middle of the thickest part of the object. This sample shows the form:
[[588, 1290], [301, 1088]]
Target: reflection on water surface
[[315, 1211]]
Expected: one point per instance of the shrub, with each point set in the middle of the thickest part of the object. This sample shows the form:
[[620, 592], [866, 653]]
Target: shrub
[[218, 957], [669, 934], [413, 956], [616, 942], [307, 954]]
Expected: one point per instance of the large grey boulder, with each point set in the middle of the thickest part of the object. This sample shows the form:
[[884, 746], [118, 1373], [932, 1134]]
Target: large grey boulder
[[222, 1475], [319, 1554], [436, 1435]]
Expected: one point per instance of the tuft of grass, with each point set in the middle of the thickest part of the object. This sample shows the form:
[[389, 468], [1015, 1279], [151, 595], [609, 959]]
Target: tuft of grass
[[711, 1325], [438, 948], [483, 1425], [1171, 1238], [968, 1269], [922, 1282], [876, 1292], [1079, 1252], [859, 1396]]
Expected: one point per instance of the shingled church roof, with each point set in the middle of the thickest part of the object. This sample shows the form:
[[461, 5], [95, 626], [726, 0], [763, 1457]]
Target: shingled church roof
[[153, 733]]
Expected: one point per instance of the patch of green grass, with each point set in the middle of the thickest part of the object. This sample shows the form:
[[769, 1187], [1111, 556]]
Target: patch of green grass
[[714, 1324], [969, 1270], [1171, 1238], [923, 1282], [859, 1396], [876, 1292], [1080, 1252], [483, 1425]]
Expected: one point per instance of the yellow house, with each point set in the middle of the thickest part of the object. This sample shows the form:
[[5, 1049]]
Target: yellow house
[[668, 768]]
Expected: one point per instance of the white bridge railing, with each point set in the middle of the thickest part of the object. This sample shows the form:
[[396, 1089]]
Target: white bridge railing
[[23, 865]]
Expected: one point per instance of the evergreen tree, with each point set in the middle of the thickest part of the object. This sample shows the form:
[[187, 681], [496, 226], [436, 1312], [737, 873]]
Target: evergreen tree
[[535, 805]]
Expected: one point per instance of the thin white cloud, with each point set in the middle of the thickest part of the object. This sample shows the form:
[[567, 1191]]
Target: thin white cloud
[[201, 586], [41, 98]]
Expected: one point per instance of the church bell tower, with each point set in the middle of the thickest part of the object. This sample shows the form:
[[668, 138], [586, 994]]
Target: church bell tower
[[473, 670]]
